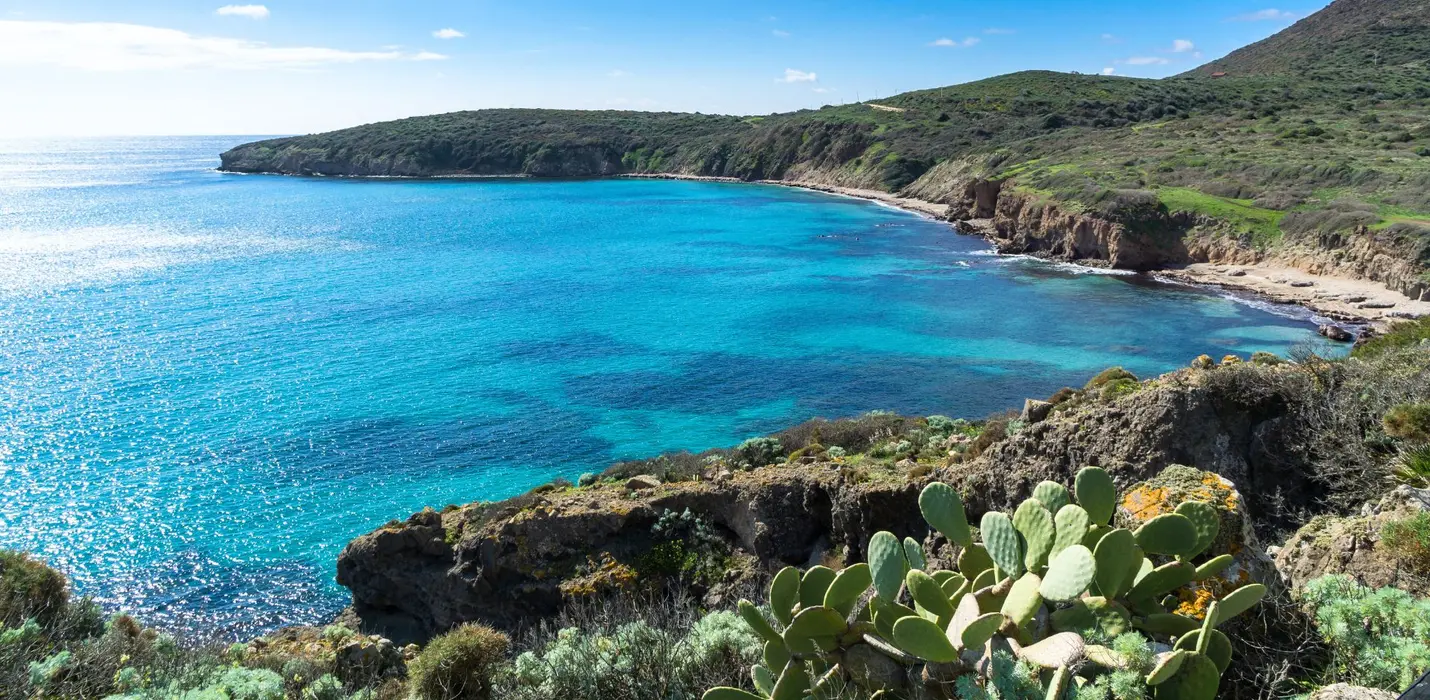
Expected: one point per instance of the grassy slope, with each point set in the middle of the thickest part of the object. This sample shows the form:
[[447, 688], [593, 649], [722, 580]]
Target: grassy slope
[[1319, 129]]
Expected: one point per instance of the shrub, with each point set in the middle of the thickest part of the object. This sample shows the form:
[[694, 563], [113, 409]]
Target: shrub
[[1412, 466], [459, 665], [757, 452], [1408, 421], [1402, 335], [835, 452], [587, 479], [1378, 638], [1408, 540], [1110, 375], [29, 588]]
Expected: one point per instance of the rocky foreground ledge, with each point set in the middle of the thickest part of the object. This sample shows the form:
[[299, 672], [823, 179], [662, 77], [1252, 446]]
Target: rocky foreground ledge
[[1268, 427]]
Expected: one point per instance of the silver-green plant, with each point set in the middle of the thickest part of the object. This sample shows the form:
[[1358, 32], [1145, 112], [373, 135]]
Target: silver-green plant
[[1048, 586]]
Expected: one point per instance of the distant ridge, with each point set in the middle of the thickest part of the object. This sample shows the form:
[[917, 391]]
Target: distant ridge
[[1347, 35]]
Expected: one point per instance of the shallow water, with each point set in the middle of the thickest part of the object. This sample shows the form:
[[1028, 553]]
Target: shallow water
[[209, 383]]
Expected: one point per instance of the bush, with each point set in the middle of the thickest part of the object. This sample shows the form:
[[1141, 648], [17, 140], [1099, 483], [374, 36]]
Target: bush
[[1378, 638], [1109, 376], [459, 665], [1408, 421], [757, 452], [1402, 335], [1408, 540], [29, 588]]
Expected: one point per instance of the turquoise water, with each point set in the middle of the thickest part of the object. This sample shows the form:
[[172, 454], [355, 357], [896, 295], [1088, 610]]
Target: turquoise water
[[209, 383]]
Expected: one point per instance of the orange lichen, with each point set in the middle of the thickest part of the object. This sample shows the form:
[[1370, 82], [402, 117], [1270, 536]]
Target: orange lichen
[[606, 574], [1146, 502], [1194, 602], [1149, 500]]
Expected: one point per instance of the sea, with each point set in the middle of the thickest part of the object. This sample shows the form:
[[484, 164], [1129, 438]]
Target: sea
[[210, 383]]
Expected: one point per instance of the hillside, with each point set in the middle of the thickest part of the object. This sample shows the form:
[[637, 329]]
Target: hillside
[[1314, 152]]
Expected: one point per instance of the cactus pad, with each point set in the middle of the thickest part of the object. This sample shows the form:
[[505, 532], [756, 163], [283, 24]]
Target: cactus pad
[[776, 655], [1096, 494], [1023, 600], [887, 563], [1052, 495], [974, 560], [924, 639], [1238, 602], [1115, 557], [1214, 566], [793, 683], [757, 622], [848, 585], [943, 510], [764, 681], [784, 594], [1035, 524], [815, 623], [914, 554], [1003, 542], [927, 592], [1069, 574], [1168, 624], [1062, 649], [1197, 679], [1171, 534], [886, 614], [1163, 579], [813, 585], [980, 630], [1218, 647], [1093, 613], [1205, 519], [1071, 523], [1167, 665]]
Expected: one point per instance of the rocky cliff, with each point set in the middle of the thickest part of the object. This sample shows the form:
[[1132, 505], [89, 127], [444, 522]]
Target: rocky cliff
[[523, 559]]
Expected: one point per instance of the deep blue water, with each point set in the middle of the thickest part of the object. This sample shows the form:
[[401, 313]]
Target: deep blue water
[[209, 383]]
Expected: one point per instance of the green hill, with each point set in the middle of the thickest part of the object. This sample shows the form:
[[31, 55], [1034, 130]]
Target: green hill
[[1317, 137]]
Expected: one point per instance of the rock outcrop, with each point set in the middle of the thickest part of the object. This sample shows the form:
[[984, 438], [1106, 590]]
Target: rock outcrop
[[523, 559], [1351, 546]]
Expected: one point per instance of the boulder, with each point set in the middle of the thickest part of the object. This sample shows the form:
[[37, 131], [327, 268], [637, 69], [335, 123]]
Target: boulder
[[874, 671], [1035, 410], [642, 482], [1336, 333], [1350, 545]]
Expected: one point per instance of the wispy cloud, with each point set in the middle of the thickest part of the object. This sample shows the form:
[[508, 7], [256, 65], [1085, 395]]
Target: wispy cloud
[[102, 46], [1109, 71], [780, 33], [1267, 15], [618, 73], [1147, 61], [249, 11], [797, 76], [1182, 46], [1111, 39], [950, 43], [823, 90], [999, 30], [449, 33]]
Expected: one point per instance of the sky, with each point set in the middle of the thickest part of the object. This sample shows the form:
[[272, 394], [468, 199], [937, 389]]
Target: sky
[[188, 67]]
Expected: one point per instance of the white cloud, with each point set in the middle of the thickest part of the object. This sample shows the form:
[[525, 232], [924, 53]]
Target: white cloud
[[618, 73], [998, 30], [1182, 46], [1109, 71], [780, 33], [1268, 15], [822, 90], [945, 41], [102, 46], [1111, 39], [797, 76], [249, 11], [449, 33], [1146, 61]]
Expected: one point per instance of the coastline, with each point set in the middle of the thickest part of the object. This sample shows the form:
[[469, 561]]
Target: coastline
[[1348, 303]]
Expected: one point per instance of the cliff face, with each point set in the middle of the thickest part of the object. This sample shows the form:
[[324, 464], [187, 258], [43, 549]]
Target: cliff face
[[522, 560]]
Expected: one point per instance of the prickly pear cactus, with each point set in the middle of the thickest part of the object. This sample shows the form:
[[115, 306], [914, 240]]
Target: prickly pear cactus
[[1048, 585]]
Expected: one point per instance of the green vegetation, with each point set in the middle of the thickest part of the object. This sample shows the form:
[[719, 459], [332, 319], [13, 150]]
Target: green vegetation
[[459, 665], [1318, 130], [1402, 335], [1378, 638], [1035, 596], [1408, 540]]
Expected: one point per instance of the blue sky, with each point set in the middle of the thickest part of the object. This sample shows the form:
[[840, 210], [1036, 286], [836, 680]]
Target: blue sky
[[100, 67]]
